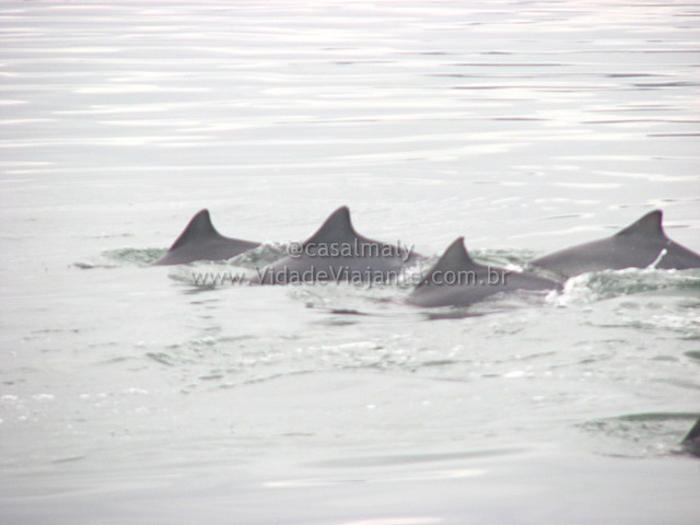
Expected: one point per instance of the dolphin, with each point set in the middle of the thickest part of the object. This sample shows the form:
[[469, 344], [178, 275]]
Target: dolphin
[[200, 241], [691, 442], [336, 252], [639, 245], [456, 280]]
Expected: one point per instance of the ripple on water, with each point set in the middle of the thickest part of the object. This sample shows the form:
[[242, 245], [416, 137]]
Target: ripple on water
[[607, 284], [640, 435]]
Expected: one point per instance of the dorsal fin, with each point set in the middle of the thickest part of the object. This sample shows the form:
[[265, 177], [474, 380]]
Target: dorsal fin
[[454, 258], [649, 226], [199, 227], [694, 433], [337, 227]]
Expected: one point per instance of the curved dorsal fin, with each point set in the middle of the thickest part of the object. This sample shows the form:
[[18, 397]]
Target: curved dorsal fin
[[337, 227], [199, 227], [649, 226], [455, 258]]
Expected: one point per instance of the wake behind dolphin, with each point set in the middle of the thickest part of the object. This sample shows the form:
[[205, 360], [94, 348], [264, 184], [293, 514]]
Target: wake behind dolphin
[[200, 241], [639, 245], [336, 252]]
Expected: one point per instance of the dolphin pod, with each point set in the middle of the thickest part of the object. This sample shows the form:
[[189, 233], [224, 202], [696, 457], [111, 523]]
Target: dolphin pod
[[336, 252]]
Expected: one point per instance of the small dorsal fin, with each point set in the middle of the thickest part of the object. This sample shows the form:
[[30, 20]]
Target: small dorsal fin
[[649, 225], [337, 227], [199, 227], [694, 433], [691, 442], [455, 258]]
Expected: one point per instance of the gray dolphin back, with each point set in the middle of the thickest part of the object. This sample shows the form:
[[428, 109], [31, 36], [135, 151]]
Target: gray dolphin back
[[200, 241], [336, 252], [640, 245], [456, 280]]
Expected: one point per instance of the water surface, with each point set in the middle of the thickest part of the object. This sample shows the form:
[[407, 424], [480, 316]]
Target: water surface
[[128, 393]]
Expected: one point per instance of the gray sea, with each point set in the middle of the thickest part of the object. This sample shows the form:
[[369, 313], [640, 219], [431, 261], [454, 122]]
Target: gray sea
[[132, 394]]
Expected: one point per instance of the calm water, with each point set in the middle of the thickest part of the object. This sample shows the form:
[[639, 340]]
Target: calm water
[[128, 394]]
